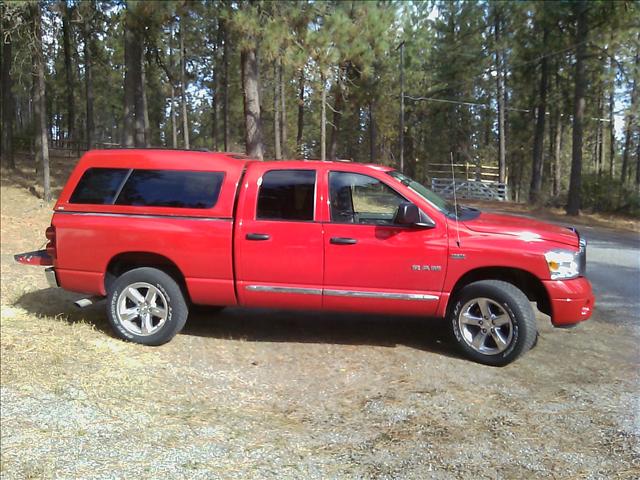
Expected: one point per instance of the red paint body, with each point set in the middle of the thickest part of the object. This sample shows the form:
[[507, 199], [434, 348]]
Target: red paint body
[[221, 267]]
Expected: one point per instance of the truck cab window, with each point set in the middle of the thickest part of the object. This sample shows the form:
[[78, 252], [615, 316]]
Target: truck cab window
[[287, 195], [357, 198]]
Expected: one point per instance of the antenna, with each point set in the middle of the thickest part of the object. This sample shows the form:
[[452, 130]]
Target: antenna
[[455, 200]]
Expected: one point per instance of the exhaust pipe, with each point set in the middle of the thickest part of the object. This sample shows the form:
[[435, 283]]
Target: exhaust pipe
[[85, 302]]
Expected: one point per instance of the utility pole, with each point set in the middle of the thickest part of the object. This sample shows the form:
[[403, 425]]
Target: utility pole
[[401, 106]]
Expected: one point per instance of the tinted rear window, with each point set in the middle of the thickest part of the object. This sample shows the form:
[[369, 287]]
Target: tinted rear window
[[99, 185], [287, 195], [171, 188]]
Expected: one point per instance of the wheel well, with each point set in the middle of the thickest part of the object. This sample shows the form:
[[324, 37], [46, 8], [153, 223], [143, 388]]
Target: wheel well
[[124, 262], [530, 285]]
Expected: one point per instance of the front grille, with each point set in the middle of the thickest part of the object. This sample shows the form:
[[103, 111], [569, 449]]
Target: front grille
[[582, 256]]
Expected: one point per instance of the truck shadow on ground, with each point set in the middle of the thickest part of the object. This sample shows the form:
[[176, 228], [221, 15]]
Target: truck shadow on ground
[[263, 325], [57, 303]]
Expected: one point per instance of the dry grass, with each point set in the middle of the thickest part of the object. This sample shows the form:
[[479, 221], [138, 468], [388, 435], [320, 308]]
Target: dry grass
[[295, 395], [73, 360]]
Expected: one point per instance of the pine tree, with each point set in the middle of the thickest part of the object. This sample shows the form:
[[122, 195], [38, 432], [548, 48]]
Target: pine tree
[[582, 32]]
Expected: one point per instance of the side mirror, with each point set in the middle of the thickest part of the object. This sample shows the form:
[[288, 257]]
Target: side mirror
[[407, 214]]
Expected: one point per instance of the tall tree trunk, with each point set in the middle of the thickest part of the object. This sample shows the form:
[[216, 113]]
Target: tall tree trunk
[[183, 88], [276, 112], [140, 124], [612, 132], [7, 98], [146, 128], [55, 121], [559, 139], [354, 135], [323, 121], [300, 112], [502, 143], [39, 104], [537, 163], [215, 113], [638, 166], [88, 76], [132, 57], [50, 118], [134, 124], [575, 182], [68, 70], [557, 149], [624, 171], [630, 123], [283, 112], [373, 152], [215, 95], [174, 120], [600, 135], [174, 126], [225, 84], [250, 84], [338, 106]]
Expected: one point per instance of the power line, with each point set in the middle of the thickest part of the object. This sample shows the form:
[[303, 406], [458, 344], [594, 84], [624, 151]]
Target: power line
[[486, 105]]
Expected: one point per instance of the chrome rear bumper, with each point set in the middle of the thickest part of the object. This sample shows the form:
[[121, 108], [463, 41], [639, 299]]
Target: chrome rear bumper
[[50, 273]]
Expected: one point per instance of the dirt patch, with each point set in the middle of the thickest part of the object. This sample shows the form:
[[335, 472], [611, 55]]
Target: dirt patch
[[257, 394]]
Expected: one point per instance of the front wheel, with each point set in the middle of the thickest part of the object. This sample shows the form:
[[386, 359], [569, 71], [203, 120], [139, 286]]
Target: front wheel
[[146, 306], [493, 322]]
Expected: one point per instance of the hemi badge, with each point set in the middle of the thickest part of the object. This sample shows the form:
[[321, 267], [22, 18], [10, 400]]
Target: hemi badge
[[458, 256]]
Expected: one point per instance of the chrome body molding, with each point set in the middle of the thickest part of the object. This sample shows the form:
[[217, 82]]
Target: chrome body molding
[[383, 295], [343, 293], [300, 290]]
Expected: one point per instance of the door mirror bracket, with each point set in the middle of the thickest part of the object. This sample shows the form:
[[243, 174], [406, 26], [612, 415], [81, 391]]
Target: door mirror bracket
[[408, 214]]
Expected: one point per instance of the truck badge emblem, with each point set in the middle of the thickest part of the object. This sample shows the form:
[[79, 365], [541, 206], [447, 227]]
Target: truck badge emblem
[[426, 268]]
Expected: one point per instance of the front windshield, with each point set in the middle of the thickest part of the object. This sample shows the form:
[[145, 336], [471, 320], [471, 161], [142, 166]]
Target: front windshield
[[433, 198]]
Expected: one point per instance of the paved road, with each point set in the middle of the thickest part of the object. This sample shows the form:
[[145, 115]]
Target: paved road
[[613, 266]]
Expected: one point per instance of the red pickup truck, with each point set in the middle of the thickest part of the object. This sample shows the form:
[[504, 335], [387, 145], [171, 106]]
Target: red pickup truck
[[155, 231]]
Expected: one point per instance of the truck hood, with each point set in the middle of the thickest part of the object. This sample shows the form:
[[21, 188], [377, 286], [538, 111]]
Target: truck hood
[[526, 228]]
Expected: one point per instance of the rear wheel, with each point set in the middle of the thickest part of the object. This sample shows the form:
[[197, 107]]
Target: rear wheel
[[493, 322], [146, 306]]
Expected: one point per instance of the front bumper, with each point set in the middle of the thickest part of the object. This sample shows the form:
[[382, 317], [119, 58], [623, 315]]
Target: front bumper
[[52, 280], [572, 301]]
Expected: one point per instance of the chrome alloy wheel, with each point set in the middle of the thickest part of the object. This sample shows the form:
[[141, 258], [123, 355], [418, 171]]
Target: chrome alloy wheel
[[142, 309], [485, 326]]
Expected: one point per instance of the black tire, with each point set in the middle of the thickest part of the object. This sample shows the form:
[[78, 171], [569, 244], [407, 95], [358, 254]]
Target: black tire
[[164, 307], [489, 303]]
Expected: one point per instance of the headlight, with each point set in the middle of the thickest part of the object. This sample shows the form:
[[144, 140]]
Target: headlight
[[563, 264]]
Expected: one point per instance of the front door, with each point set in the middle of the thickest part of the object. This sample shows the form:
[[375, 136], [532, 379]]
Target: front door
[[278, 243], [373, 264]]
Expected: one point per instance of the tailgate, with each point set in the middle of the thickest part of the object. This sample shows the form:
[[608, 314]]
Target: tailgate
[[38, 257]]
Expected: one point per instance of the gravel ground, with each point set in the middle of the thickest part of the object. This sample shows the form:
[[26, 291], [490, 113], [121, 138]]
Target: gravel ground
[[271, 394]]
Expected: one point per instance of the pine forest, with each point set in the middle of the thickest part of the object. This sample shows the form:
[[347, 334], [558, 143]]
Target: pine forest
[[545, 93]]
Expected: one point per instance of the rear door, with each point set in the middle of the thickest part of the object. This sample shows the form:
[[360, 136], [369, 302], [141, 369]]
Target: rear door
[[372, 263], [278, 242]]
